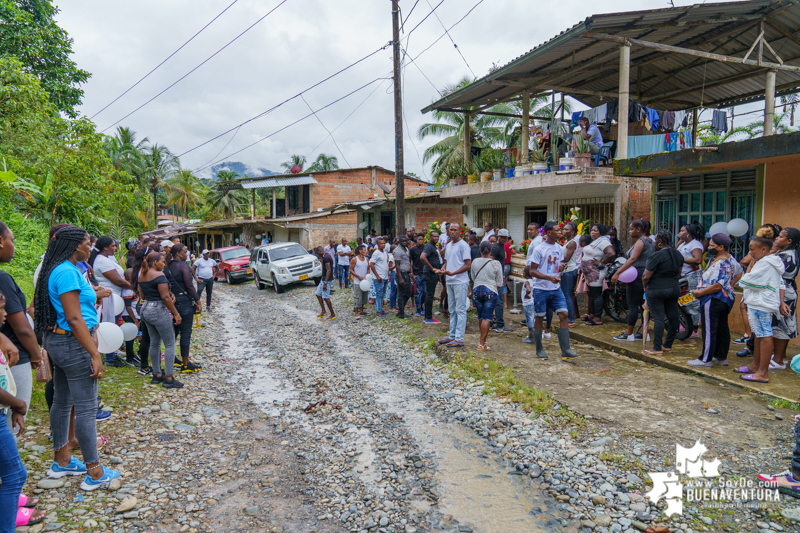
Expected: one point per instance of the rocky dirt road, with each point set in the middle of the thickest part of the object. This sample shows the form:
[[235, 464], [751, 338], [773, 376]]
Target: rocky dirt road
[[301, 425]]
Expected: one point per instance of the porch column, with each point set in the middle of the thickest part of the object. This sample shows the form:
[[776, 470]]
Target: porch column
[[769, 104], [624, 96], [274, 203], [694, 128], [524, 140], [253, 205], [467, 153]]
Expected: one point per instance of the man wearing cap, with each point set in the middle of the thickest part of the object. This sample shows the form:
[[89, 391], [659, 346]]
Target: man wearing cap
[[203, 271], [499, 254]]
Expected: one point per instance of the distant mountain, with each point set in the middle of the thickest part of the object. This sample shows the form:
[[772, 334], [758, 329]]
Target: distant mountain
[[241, 169]]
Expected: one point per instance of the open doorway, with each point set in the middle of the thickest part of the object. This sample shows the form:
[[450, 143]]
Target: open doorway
[[536, 214], [387, 222]]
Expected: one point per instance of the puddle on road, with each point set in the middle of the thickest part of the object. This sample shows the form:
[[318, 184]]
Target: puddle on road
[[475, 490]]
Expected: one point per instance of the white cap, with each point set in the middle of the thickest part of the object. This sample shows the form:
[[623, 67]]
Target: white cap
[[503, 233], [167, 243], [205, 251]]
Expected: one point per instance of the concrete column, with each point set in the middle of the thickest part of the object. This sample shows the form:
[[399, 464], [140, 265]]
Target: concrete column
[[524, 140], [769, 104], [467, 153], [274, 203], [624, 97], [253, 205]]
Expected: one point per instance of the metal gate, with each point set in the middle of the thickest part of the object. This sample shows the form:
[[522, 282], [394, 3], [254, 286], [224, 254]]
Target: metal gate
[[600, 209], [497, 214]]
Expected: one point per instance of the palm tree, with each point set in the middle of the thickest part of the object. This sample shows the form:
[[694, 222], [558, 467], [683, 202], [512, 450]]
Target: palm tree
[[158, 166], [540, 106], [299, 160], [791, 101], [126, 154], [185, 191], [756, 128], [225, 202], [324, 162]]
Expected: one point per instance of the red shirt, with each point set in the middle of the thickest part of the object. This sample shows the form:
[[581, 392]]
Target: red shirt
[[509, 251]]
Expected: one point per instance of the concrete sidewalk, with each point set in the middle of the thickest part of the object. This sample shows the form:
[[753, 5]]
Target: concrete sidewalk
[[783, 384]]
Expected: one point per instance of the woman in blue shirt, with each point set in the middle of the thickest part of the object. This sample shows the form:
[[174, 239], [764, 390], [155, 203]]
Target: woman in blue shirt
[[66, 317]]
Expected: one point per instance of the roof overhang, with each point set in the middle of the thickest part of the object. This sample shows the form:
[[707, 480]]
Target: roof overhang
[[268, 183], [583, 61]]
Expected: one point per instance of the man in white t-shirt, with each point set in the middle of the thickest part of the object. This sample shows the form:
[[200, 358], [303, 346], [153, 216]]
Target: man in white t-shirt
[[379, 266], [456, 265], [203, 270], [344, 254], [535, 238], [547, 263]]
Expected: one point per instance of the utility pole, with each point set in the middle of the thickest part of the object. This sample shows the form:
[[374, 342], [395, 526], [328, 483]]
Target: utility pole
[[399, 173]]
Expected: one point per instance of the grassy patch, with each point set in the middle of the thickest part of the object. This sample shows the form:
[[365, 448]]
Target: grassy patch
[[780, 403]]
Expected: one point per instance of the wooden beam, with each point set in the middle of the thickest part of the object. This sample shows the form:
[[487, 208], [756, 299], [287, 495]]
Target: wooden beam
[[526, 129], [783, 32], [696, 88], [726, 102], [688, 51]]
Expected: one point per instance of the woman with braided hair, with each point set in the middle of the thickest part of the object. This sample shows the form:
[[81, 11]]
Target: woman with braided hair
[[784, 328], [144, 340], [66, 318]]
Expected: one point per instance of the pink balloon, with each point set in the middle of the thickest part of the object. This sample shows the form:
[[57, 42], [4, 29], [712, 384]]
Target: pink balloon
[[296, 169], [629, 276]]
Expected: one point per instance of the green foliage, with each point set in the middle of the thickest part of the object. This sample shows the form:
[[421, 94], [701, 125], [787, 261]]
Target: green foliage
[[322, 163], [299, 160], [29, 32], [223, 202], [30, 240]]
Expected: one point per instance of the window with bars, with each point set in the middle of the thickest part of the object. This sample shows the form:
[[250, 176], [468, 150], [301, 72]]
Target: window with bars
[[497, 214], [599, 209]]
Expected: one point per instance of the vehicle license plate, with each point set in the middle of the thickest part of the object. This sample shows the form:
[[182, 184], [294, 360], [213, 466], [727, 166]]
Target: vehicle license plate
[[302, 277], [249, 271], [687, 299]]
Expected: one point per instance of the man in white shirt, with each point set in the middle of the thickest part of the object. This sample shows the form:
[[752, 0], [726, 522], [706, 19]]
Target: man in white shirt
[[488, 231], [456, 265], [344, 254], [379, 265], [536, 240], [203, 270], [547, 263]]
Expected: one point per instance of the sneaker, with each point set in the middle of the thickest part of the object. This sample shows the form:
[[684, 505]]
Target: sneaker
[[190, 367], [625, 337], [402, 316], [146, 371], [432, 321], [547, 335], [507, 329], [695, 335], [744, 353], [157, 379], [102, 415], [134, 361], [102, 482], [741, 340], [699, 363], [171, 384], [74, 468], [116, 363], [177, 363], [381, 314], [208, 309], [720, 362], [417, 314], [640, 337], [785, 483]]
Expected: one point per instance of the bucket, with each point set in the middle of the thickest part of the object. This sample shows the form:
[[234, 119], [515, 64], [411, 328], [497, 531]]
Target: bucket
[[497, 174], [566, 163], [509, 172], [519, 172], [539, 168]]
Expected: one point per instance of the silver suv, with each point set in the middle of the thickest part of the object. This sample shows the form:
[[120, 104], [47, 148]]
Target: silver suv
[[283, 263]]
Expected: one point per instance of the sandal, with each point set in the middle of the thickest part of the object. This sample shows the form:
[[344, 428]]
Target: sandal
[[775, 366], [455, 344], [652, 352], [24, 501], [742, 370], [483, 348], [102, 441], [749, 377], [25, 516]]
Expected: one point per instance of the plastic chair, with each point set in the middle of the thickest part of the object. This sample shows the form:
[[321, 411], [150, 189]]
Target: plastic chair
[[604, 155]]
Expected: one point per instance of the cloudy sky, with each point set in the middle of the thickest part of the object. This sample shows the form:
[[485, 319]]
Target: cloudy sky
[[301, 43]]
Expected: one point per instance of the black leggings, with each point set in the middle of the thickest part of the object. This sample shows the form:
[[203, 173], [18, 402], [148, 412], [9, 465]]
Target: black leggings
[[634, 292], [144, 345], [596, 294], [128, 344], [431, 280], [664, 303], [184, 330]]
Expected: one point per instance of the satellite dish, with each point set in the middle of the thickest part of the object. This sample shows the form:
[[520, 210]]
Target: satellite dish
[[385, 188]]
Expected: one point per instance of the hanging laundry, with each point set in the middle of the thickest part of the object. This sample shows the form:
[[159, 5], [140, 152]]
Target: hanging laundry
[[601, 113], [671, 140], [576, 117], [639, 145], [634, 112], [668, 120], [680, 116], [591, 115], [652, 116], [685, 139], [719, 122], [612, 109]]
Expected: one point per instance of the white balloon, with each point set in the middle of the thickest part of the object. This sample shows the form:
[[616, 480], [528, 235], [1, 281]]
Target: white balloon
[[479, 232], [365, 285], [737, 227], [368, 277], [363, 224], [109, 337], [119, 304], [719, 227], [30, 320], [129, 331]]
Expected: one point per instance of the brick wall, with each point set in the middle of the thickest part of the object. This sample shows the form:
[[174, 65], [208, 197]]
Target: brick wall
[[427, 213], [347, 186]]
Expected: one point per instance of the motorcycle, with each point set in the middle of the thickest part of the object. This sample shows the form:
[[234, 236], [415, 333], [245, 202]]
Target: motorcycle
[[616, 302]]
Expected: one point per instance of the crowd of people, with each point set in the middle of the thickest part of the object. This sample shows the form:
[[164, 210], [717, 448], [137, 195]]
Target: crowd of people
[[76, 285]]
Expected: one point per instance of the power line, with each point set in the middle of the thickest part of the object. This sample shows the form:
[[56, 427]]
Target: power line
[[226, 144], [405, 52], [409, 15], [198, 66], [167, 59], [448, 29], [329, 131], [289, 125], [451, 40], [426, 17], [273, 108]]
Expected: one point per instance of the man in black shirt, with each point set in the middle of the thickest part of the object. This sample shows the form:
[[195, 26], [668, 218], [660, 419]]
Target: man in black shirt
[[416, 265], [430, 272], [499, 254], [324, 288]]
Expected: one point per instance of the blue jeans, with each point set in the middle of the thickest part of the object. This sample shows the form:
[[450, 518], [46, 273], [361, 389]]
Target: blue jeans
[[13, 473], [543, 299], [485, 301], [457, 304], [342, 271], [380, 290], [419, 299], [392, 291], [568, 281], [530, 315]]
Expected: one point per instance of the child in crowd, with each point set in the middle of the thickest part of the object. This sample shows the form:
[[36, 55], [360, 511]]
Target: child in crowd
[[764, 296], [527, 303]]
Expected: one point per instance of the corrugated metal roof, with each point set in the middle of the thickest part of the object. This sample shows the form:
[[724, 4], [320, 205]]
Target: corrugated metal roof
[[268, 183], [574, 64]]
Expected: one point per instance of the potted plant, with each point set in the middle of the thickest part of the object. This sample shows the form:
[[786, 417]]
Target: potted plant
[[583, 152], [538, 157], [493, 162], [461, 171]]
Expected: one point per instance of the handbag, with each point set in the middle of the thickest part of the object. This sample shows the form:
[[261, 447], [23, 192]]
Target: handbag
[[414, 290], [44, 372]]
